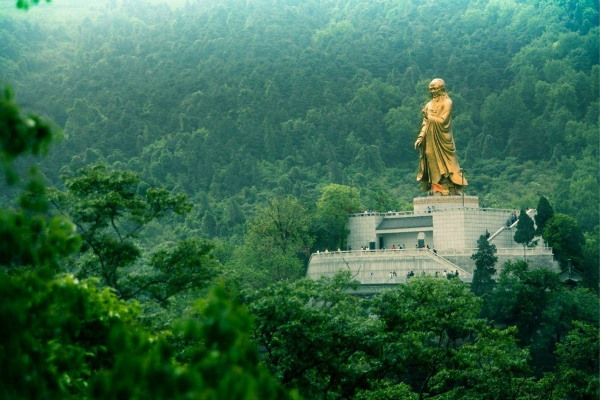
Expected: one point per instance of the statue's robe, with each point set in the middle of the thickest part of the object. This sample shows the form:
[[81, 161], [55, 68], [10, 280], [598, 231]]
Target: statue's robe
[[438, 164]]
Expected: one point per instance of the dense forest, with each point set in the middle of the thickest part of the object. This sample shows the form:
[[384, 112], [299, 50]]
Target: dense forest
[[190, 156]]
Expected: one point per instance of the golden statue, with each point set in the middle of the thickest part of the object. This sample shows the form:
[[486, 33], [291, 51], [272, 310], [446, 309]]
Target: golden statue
[[439, 172]]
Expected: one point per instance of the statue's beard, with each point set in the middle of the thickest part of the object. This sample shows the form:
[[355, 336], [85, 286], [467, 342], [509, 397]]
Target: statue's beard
[[436, 94]]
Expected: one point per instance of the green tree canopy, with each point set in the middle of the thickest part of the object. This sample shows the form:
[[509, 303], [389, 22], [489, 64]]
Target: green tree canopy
[[563, 234], [578, 362], [21, 134], [56, 335], [317, 336], [109, 214], [434, 342], [333, 207], [542, 309], [221, 361], [276, 245], [65, 338]]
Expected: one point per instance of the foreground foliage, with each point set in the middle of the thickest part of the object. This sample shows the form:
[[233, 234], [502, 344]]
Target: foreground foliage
[[64, 338], [68, 339], [424, 339], [56, 335]]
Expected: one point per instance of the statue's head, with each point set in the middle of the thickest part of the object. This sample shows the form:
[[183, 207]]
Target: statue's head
[[437, 87]]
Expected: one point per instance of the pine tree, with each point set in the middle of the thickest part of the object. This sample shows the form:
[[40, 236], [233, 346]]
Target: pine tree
[[544, 213], [485, 260], [525, 230]]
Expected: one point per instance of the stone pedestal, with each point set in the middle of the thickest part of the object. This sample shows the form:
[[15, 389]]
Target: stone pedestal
[[438, 203]]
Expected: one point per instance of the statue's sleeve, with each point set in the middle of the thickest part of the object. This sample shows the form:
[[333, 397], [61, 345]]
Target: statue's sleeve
[[423, 128], [424, 123]]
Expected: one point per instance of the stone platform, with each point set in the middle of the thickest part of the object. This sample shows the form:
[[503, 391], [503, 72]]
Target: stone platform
[[439, 235]]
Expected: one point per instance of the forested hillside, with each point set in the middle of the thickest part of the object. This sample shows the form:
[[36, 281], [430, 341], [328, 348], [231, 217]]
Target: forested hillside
[[235, 102], [190, 156]]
